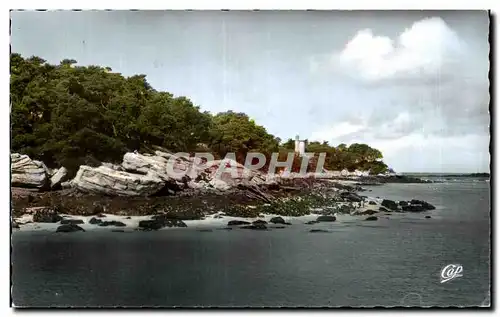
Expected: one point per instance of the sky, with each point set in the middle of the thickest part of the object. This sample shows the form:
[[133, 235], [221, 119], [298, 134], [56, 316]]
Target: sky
[[413, 84]]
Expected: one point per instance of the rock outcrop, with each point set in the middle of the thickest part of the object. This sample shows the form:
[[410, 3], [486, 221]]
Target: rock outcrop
[[326, 218], [389, 204], [28, 173], [104, 180], [69, 228], [143, 164], [60, 176]]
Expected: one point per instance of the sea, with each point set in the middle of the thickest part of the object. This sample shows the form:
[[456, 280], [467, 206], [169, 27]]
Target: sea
[[396, 261]]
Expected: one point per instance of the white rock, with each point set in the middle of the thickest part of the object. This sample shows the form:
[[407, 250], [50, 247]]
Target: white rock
[[27, 172], [60, 176], [219, 184], [143, 164], [104, 180]]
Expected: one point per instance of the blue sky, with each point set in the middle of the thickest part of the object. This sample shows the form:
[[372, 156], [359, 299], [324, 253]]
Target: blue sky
[[413, 84]]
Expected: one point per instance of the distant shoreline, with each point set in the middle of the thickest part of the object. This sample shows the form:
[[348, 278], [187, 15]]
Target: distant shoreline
[[448, 174]]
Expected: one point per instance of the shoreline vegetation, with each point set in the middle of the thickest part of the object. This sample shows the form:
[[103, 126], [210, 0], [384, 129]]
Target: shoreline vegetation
[[91, 148]]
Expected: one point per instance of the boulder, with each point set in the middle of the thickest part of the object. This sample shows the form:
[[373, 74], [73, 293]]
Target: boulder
[[312, 222], [72, 221], [60, 176], [150, 225], [277, 220], [351, 197], [368, 212], [112, 223], [403, 203], [237, 223], [14, 224], [371, 202], [104, 180], [69, 228], [26, 172], [219, 184], [95, 221], [175, 174], [160, 221], [414, 208], [259, 222], [47, 215], [371, 218], [255, 227], [425, 204], [326, 218], [390, 204], [318, 230], [181, 215]]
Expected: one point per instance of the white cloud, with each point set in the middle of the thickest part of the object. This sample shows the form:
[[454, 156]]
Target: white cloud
[[422, 50]]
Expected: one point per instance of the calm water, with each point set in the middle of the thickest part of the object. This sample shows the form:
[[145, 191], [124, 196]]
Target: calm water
[[391, 262]]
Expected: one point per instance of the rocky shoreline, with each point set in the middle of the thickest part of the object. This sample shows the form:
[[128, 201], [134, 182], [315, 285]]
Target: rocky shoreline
[[141, 195], [325, 201]]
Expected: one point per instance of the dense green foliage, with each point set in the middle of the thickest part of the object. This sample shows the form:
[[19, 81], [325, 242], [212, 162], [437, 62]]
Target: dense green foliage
[[356, 156], [71, 115]]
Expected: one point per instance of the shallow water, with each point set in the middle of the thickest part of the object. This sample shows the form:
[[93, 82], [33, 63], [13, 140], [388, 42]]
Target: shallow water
[[391, 262]]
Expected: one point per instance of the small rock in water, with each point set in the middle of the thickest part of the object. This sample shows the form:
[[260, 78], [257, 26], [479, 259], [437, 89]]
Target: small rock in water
[[427, 217], [312, 222], [150, 225], [237, 223], [14, 224], [95, 221], [205, 230], [278, 227], [318, 230], [69, 228], [226, 228], [384, 209], [371, 202], [259, 222], [390, 204], [414, 208], [72, 222], [101, 215], [424, 204], [368, 212], [326, 218], [117, 230], [277, 220], [128, 217], [160, 221], [371, 218], [255, 227], [112, 223]]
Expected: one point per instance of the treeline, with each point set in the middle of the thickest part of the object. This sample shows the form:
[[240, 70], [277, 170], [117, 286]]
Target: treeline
[[68, 115]]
